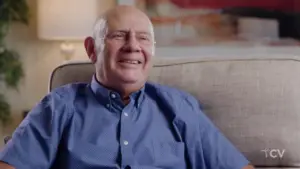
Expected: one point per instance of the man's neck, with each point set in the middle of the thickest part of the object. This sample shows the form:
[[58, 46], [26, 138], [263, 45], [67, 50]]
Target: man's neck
[[126, 100], [125, 90]]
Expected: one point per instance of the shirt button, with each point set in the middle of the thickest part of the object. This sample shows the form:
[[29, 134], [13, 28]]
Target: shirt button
[[125, 143], [113, 95], [126, 114]]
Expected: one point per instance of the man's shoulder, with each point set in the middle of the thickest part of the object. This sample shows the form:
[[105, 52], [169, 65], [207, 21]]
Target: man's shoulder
[[175, 97], [69, 91], [181, 103], [172, 92]]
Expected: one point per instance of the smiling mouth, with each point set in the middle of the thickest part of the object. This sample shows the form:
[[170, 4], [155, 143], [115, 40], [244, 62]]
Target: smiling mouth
[[134, 62]]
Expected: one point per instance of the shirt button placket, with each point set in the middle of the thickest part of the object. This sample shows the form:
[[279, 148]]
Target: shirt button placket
[[125, 139]]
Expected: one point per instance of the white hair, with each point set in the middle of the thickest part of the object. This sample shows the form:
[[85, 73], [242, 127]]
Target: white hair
[[100, 31], [99, 34]]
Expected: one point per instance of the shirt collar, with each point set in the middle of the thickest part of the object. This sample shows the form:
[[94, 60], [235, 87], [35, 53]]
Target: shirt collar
[[100, 91]]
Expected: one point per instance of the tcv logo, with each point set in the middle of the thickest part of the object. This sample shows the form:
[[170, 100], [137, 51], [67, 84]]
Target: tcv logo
[[274, 153]]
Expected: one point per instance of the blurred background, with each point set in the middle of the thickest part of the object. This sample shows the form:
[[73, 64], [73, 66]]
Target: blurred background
[[38, 35], [224, 22]]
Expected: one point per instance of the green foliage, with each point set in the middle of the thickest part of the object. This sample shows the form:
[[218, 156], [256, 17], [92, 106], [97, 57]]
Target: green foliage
[[4, 110], [14, 10], [11, 70]]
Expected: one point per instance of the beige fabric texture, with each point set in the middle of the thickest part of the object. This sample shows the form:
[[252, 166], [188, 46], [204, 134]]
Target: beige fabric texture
[[255, 102]]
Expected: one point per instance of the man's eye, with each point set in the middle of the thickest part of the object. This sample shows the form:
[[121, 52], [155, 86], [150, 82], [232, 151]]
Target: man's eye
[[144, 38], [118, 36]]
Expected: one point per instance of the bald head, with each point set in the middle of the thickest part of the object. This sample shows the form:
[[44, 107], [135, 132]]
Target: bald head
[[119, 18], [124, 10]]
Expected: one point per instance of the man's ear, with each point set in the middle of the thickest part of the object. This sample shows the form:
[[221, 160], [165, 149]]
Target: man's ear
[[89, 45]]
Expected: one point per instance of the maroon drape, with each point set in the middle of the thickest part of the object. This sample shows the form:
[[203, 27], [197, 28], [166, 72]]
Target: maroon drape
[[283, 5]]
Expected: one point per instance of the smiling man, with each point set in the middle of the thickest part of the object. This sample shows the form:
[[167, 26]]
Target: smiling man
[[119, 120]]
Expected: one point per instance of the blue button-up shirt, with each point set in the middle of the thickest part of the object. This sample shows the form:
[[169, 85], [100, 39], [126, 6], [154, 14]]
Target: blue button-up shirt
[[86, 126]]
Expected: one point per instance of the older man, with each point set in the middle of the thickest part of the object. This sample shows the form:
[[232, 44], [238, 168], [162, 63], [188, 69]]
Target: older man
[[119, 120]]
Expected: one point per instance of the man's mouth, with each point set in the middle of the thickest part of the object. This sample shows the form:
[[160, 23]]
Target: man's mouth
[[130, 61]]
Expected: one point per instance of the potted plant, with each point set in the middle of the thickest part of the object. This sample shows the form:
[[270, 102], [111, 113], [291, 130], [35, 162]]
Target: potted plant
[[11, 70]]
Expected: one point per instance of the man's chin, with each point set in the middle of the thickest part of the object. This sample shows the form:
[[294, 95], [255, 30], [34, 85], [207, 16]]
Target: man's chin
[[130, 77], [129, 80]]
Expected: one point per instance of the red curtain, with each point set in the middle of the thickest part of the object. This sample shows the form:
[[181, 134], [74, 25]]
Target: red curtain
[[283, 5]]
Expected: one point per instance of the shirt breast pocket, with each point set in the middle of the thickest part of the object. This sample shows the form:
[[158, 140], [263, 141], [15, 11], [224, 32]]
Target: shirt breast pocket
[[169, 155]]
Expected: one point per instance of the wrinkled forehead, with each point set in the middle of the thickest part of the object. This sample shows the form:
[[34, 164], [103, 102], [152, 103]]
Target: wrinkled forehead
[[129, 22]]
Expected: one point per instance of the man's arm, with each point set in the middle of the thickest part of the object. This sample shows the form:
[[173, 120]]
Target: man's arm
[[207, 146], [34, 143]]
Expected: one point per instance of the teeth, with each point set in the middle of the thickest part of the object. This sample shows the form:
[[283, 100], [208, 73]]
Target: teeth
[[131, 61]]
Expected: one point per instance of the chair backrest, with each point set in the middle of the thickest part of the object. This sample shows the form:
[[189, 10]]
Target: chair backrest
[[254, 101]]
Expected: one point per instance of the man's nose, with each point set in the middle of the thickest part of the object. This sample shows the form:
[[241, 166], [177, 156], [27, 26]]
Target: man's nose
[[132, 44]]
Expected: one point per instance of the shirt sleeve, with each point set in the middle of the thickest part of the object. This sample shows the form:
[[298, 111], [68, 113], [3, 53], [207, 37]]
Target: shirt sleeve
[[218, 151], [211, 149], [35, 141]]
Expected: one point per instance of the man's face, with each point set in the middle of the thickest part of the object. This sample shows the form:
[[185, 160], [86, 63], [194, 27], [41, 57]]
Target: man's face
[[128, 49]]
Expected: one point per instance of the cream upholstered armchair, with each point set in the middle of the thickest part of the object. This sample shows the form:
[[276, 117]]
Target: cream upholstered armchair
[[255, 101]]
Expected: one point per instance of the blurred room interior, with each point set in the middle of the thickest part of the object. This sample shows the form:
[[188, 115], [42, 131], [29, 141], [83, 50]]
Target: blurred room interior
[[183, 29]]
